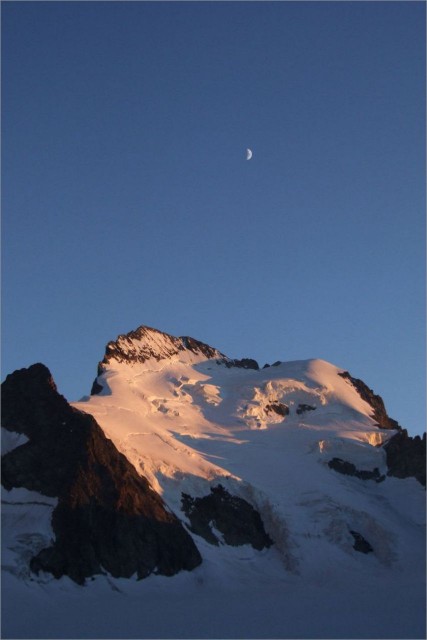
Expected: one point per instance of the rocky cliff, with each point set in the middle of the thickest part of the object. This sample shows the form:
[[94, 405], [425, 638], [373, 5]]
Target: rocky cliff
[[108, 518]]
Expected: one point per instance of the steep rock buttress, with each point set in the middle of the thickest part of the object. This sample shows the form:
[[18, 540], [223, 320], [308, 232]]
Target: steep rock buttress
[[108, 518]]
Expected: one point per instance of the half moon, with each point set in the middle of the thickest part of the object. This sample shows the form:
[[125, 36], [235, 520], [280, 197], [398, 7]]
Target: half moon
[[249, 154]]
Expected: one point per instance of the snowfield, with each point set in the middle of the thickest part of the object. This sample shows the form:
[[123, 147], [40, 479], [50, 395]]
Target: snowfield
[[187, 423]]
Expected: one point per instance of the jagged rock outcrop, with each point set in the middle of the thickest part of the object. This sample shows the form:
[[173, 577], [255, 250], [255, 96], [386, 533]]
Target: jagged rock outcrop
[[278, 407], [108, 518], [360, 543], [244, 363], [375, 401], [406, 456], [349, 469], [275, 364], [302, 408], [237, 521]]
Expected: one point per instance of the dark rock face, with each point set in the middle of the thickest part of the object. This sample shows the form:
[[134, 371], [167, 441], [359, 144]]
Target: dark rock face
[[349, 469], [96, 388], [244, 363], [199, 347], [108, 517], [278, 407], [376, 402], [360, 543], [235, 518], [406, 456], [304, 407]]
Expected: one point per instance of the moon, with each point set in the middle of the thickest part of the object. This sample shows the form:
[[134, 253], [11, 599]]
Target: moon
[[249, 154]]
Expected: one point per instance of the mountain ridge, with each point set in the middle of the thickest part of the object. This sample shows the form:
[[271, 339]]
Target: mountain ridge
[[146, 343], [292, 476], [137, 346]]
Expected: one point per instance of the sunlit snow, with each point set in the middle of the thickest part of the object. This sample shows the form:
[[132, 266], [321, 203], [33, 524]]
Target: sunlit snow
[[187, 423]]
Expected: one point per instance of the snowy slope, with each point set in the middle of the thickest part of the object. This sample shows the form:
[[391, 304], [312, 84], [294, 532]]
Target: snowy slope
[[189, 419], [187, 422]]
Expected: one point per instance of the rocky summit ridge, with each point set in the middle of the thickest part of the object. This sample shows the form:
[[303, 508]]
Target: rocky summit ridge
[[146, 343]]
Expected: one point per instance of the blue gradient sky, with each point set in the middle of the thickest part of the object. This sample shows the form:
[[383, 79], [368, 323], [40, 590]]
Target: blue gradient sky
[[127, 198]]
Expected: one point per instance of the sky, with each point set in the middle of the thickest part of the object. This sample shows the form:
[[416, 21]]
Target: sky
[[127, 198]]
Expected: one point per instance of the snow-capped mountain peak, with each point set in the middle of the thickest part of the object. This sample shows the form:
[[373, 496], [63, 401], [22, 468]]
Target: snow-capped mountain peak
[[292, 477]]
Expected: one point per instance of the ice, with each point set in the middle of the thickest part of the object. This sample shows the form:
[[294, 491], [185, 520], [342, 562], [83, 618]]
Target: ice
[[188, 424]]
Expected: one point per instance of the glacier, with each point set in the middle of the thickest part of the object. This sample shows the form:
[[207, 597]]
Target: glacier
[[348, 552]]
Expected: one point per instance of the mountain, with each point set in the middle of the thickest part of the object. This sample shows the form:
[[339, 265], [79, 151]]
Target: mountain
[[101, 497], [260, 495]]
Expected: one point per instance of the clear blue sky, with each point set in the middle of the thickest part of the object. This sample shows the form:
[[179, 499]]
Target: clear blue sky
[[127, 198]]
